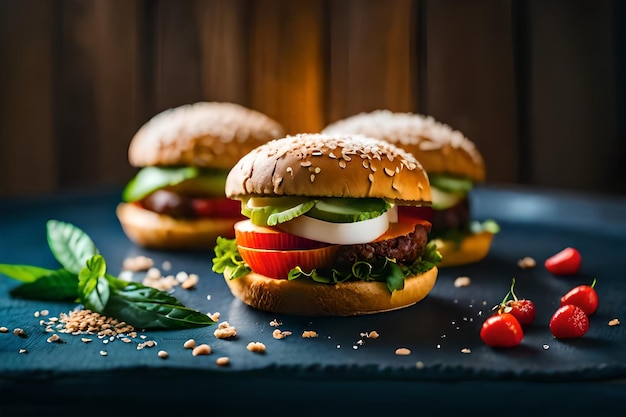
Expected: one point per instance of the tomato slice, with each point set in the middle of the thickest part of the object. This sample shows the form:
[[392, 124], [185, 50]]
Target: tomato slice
[[250, 235], [278, 263], [419, 212], [405, 225], [217, 207]]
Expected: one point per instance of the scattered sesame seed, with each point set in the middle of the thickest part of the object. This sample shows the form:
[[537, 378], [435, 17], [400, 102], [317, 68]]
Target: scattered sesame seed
[[85, 339], [189, 344], [20, 333], [54, 338], [614, 322], [466, 350], [103, 353], [307, 334], [22, 350], [163, 354], [4, 329], [403, 351]]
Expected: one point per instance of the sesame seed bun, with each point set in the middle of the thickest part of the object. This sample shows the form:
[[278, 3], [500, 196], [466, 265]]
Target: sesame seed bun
[[307, 298], [203, 134], [438, 147], [158, 231], [473, 248], [321, 165]]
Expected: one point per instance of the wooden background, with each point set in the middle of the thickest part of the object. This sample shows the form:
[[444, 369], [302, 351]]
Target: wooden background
[[538, 85]]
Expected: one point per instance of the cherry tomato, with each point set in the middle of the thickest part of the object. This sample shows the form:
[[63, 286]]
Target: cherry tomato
[[569, 321], [583, 296], [523, 309], [502, 330], [566, 262]]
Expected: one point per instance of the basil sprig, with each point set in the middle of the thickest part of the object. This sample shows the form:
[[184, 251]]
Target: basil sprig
[[89, 284]]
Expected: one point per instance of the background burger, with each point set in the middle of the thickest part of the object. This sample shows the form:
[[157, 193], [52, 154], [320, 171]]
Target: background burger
[[324, 236], [176, 200], [454, 166]]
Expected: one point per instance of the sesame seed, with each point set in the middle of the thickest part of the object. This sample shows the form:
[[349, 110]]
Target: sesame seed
[[163, 354], [189, 344], [370, 177], [403, 351], [389, 171]]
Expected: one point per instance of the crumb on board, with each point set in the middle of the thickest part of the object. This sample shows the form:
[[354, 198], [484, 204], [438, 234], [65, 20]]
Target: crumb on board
[[202, 349], [222, 361], [466, 350], [462, 282], [275, 323], [307, 334], [526, 262], [225, 330], [280, 334], [137, 263], [256, 347], [614, 322]]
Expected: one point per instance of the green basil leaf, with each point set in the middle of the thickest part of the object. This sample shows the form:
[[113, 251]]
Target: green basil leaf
[[69, 245], [93, 287], [59, 285], [149, 308], [24, 273], [395, 276]]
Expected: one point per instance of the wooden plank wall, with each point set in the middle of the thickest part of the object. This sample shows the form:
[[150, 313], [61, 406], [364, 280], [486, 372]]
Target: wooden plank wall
[[538, 85]]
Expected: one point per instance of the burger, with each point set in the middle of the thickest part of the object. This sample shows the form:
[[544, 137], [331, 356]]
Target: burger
[[176, 199], [323, 235], [454, 166]]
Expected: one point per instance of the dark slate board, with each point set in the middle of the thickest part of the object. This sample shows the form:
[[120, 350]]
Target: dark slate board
[[340, 369]]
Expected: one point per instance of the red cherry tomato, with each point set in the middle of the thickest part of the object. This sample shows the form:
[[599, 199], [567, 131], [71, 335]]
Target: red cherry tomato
[[566, 262], [569, 321], [502, 330], [583, 296], [523, 309]]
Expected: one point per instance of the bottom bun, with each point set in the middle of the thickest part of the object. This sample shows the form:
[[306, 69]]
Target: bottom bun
[[473, 248], [157, 231], [304, 297]]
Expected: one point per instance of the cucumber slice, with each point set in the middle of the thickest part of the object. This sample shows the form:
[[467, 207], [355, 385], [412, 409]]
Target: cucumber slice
[[443, 200], [150, 179], [184, 180], [348, 210], [451, 184], [270, 211]]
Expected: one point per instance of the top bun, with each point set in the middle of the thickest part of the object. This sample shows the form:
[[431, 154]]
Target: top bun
[[203, 134], [321, 165], [439, 148]]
